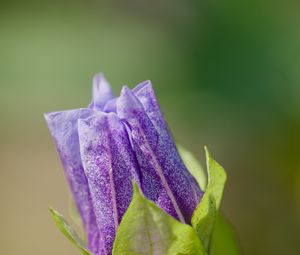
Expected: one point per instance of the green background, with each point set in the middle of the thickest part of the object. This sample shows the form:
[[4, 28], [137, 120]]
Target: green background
[[226, 75]]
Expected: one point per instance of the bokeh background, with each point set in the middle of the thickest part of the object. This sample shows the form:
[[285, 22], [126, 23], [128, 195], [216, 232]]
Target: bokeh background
[[226, 74]]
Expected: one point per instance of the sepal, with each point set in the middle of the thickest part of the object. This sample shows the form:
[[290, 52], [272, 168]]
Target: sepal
[[147, 229], [224, 239], [69, 232]]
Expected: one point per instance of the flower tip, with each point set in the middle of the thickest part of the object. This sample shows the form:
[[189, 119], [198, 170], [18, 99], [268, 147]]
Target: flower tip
[[98, 78], [49, 117], [46, 116], [127, 103], [127, 96], [102, 91], [100, 84], [142, 85], [125, 90]]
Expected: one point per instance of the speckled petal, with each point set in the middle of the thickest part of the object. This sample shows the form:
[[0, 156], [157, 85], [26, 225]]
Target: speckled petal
[[165, 179], [146, 94], [102, 92], [110, 166], [63, 127]]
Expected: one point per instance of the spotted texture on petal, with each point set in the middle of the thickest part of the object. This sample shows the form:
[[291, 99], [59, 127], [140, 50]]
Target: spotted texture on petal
[[63, 127], [145, 138], [146, 94], [110, 166], [165, 179]]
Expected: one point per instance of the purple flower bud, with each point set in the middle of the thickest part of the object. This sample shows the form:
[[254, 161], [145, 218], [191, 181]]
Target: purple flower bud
[[110, 143]]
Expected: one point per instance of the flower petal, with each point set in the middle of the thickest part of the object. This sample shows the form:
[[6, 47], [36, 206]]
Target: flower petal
[[165, 179], [102, 92], [146, 95], [110, 166], [110, 106], [63, 127]]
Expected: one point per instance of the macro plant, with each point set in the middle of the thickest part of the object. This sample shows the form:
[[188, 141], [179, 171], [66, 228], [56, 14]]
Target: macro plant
[[136, 191]]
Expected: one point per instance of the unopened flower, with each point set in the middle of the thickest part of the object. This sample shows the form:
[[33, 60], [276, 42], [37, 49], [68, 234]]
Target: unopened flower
[[110, 143]]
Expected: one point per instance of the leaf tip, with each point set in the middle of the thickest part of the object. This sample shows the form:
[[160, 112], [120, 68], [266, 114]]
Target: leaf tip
[[210, 160], [136, 188], [53, 212], [207, 152]]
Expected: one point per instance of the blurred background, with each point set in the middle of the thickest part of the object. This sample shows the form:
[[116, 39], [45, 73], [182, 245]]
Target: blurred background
[[226, 75]]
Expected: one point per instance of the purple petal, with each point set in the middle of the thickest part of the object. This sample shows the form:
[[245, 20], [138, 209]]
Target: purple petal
[[165, 179], [146, 94], [63, 127], [110, 106], [102, 92], [110, 166]]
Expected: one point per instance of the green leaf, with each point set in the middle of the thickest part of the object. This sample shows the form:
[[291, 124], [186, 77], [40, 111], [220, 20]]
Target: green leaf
[[204, 217], [146, 229], [70, 233], [217, 178], [193, 165], [224, 239]]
